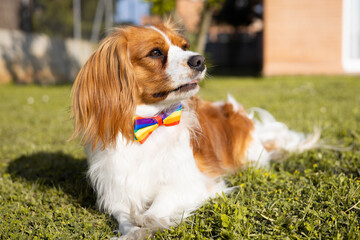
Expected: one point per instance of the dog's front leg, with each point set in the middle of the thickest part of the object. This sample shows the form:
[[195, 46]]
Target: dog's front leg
[[175, 202], [128, 229]]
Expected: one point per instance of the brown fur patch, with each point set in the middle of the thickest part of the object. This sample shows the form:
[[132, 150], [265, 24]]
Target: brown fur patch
[[150, 72], [104, 94], [219, 146]]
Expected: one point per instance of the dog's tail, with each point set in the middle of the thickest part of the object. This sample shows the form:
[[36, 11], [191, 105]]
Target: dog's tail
[[277, 138]]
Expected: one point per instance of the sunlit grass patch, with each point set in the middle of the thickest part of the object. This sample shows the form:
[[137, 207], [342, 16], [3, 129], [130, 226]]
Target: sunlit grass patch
[[44, 193]]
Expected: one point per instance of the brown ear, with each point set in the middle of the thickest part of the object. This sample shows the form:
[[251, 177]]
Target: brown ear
[[103, 94]]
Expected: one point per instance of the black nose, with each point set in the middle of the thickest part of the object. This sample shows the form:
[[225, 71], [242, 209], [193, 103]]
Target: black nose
[[197, 62]]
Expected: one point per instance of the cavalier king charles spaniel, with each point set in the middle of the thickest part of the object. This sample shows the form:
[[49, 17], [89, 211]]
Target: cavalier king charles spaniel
[[156, 151]]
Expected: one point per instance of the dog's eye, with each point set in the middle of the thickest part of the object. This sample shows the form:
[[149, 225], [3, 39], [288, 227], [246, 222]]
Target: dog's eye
[[185, 46], [156, 53]]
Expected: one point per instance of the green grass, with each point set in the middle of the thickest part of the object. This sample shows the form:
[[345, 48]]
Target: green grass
[[44, 193]]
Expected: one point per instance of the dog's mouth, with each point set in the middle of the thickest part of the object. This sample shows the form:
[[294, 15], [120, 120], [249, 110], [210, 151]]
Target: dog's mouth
[[187, 87], [181, 89]]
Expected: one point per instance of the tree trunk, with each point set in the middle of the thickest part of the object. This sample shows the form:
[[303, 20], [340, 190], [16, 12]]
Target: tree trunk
[[205, 23]]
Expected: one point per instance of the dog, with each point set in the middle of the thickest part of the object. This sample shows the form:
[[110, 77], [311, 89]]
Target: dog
[[155, 150]]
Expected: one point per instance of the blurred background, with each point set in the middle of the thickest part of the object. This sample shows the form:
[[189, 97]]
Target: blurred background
[[47, 41]]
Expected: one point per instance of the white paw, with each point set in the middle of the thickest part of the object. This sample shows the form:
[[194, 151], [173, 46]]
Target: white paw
[[135, 234], [151, 222]]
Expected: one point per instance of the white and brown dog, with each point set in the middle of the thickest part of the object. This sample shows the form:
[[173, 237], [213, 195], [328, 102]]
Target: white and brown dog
[[137, 80]]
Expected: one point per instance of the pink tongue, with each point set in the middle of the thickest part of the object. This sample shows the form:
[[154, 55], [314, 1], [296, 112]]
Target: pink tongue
[[195, 81]]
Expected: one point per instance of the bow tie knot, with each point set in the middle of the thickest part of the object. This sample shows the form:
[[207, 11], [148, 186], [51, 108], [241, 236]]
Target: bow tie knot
[[159, 120], [143, 127]]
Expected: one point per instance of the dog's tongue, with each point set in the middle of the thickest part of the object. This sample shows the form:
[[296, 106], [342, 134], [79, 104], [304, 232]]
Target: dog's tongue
[[195, 81]]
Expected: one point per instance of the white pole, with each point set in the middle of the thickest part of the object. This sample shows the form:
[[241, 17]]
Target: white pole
[[97, 21], [77, 18], [109, 14]]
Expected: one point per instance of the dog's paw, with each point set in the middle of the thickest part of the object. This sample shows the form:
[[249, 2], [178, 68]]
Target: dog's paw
[[135, 234], [151, 222]]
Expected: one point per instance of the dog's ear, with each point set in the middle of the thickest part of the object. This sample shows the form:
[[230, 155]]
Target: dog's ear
[[103, 94]]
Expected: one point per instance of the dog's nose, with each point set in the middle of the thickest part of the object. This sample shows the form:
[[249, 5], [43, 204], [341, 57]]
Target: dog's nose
[[197, 62]]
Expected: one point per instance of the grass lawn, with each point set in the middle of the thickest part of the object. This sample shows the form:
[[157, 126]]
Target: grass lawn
[[44, 193]]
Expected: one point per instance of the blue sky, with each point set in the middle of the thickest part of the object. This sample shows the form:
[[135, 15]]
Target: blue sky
[[131, 11]]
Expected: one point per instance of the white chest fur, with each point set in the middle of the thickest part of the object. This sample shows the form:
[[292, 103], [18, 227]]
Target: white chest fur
[[158, 178]]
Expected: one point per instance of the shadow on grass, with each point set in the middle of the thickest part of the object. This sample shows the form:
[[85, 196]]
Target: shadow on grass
[[57, 170]]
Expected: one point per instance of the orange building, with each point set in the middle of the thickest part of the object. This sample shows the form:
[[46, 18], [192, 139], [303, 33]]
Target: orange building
[[311, 37], [300, 36]]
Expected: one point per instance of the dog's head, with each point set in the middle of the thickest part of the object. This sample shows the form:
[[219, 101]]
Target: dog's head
[[132, 66]]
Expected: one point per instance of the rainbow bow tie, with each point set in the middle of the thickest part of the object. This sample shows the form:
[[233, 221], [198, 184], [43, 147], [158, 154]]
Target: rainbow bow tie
[[143, 127]]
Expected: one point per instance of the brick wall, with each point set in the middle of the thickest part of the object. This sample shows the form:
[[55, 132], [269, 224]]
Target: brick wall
[[189, 11], [302, 37]]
